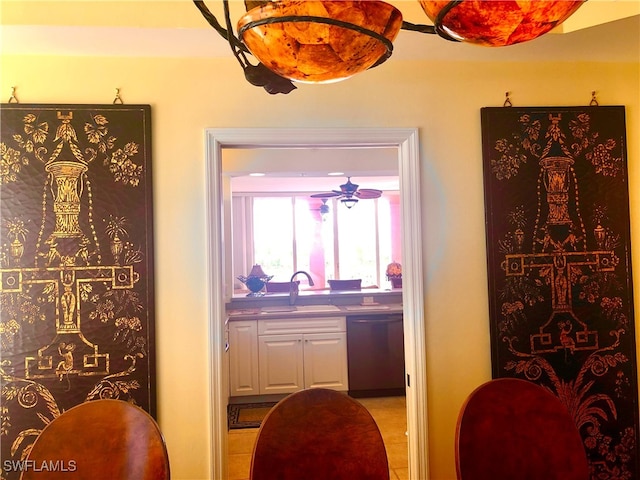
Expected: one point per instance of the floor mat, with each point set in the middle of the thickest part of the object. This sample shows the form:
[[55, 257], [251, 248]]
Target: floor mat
[[247, 415]]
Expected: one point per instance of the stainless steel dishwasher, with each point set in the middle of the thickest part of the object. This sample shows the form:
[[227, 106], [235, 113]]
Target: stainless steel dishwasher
[[375, 353]]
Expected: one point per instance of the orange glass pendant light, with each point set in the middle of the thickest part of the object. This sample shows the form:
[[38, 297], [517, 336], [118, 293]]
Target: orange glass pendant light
[[497, 23], [320, 41]]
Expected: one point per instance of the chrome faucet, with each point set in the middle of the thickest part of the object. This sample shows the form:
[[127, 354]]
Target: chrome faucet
[[293, 287]]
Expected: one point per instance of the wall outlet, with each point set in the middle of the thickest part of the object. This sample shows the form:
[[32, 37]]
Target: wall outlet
[[367, 300]]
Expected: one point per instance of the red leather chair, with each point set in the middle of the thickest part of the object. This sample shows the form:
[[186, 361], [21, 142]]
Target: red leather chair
[[319, 434], [100, 439], [514, 429]]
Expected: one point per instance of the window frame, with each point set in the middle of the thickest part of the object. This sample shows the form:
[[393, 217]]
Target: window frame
[[243, 262]]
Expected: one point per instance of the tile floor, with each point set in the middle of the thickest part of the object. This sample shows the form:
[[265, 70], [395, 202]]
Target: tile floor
[[388, 412]]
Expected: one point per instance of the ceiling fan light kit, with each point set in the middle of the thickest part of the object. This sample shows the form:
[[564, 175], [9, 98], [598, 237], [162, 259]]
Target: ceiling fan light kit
[[349, 202], [319, 41]]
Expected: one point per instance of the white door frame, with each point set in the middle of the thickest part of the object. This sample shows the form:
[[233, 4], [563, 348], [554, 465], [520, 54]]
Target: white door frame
[[407, 143]]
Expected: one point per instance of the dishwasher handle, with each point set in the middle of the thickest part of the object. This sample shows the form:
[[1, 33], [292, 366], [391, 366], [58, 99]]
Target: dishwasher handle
[[374, 321]]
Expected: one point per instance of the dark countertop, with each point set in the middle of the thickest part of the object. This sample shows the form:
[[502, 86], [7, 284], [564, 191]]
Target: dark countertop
[[369, 302], [269, 313]]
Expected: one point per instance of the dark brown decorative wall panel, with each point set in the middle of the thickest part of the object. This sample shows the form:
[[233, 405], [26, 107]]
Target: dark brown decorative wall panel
[[76, 260], [559, 267]]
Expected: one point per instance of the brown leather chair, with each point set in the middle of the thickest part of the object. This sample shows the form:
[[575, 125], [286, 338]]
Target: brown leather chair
[[514, 429], [100, 439], [319, 434]]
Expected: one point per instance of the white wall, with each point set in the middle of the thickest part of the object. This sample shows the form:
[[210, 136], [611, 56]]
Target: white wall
[[442, 99]]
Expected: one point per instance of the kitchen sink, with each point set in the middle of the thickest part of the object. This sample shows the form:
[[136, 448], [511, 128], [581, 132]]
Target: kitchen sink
[[300, 308], [317, 308], [278, 309]]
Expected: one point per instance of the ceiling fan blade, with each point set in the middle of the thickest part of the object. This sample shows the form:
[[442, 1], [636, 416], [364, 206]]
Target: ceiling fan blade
[[326, 195], [368, 193]]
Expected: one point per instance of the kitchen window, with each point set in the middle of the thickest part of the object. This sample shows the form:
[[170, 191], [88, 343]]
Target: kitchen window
[[287, 232]]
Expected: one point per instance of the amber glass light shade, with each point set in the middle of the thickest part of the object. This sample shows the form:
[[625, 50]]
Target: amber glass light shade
[[307, 50], [498, 23]]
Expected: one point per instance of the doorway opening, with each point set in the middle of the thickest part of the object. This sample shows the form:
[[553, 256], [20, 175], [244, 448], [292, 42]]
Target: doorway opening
[[406, 142]]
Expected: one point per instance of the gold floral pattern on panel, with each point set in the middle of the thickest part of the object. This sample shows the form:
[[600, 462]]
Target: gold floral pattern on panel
[[559, 269], [76, 295]]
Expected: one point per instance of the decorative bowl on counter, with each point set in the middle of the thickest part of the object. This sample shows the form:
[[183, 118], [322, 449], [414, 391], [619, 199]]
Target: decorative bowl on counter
[[256, 281]]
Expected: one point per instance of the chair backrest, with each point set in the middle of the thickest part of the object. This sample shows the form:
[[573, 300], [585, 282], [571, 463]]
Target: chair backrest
[[99, 439], [514, 429], [319, 434]]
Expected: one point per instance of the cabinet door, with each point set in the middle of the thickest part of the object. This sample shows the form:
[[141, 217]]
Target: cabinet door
[[281, 363], [325, 360], [243, 358]]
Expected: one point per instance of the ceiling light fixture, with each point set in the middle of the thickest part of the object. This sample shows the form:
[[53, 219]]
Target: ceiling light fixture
[[315, 41], [324, 208]]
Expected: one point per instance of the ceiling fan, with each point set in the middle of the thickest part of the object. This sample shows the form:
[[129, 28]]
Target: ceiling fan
[[349, 194]]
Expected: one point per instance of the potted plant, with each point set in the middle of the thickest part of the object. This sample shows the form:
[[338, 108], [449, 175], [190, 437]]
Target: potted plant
[[394, 274]]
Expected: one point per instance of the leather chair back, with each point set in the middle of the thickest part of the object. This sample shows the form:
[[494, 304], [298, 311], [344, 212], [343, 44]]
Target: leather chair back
[[100, 439], [319, 434], [514, 429]]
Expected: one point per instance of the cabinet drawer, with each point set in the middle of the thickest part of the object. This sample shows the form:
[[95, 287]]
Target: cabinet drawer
[[301, 325]]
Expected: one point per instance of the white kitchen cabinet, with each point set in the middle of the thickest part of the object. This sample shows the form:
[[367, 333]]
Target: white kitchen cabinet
[[286, 355], [243, 358], [288, 363], [281, 363], [325, 360]]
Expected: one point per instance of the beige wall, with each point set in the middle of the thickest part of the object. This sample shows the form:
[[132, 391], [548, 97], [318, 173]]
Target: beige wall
[[442, 99]]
